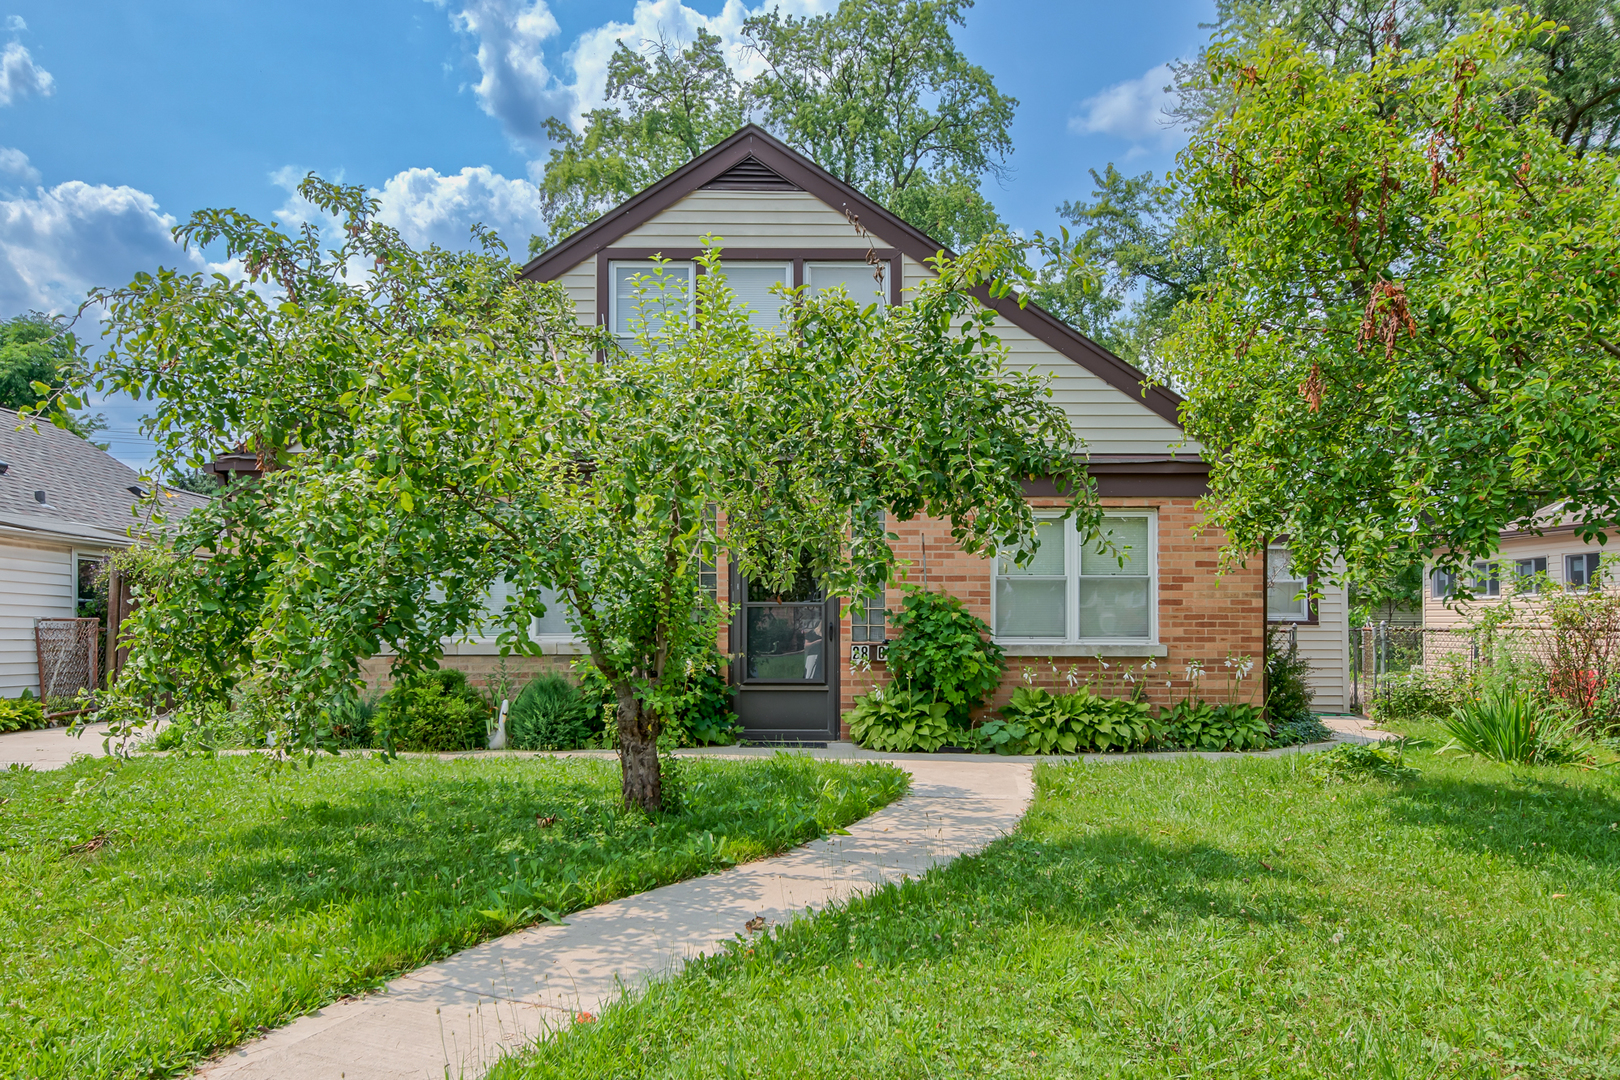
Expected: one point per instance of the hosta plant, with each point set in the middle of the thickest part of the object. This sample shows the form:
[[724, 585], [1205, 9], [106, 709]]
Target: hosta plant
[[1198, 725], [1036, 721], [897, 720]]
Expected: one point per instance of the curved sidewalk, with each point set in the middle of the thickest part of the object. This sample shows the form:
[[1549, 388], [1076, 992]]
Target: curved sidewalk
[[456, 1018]]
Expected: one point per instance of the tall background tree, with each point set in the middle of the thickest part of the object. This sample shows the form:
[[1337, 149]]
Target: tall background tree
[[1413, 341], [38, 351], [876, 92]]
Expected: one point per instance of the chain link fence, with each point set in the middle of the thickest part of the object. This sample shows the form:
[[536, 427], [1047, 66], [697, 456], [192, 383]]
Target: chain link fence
[[68, 651], [1572, 667]]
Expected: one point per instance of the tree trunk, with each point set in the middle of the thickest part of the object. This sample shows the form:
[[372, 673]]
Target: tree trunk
[[638, 755]]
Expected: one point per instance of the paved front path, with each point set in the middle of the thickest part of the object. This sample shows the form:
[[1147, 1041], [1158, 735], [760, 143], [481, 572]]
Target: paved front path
[[50, 748], [457, 1017]]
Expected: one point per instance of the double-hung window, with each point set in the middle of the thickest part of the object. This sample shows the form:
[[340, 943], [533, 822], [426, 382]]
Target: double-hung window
[[666, 293], [1486, 581], [1444, 584], [864, 283], [1077, 592], [754, 284], [1581, 571], [1528, 571], [553, 625], [1286, 598]]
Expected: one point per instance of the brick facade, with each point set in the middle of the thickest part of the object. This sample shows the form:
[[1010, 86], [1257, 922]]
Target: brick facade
[[1203, 614]]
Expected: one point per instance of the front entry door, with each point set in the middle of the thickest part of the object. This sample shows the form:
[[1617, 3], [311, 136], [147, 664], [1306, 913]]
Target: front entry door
[[786, 666]]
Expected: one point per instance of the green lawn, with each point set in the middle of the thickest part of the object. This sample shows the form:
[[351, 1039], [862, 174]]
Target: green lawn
[[155, 911], [1244, 918]]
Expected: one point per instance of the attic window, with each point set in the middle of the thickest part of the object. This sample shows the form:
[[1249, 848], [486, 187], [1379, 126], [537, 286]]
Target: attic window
[[750, 174]]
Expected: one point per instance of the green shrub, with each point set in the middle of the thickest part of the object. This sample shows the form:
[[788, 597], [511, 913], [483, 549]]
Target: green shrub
[[700, 711], [1037, 721], [1288, 694], [1298, 732], [550, 714], [436, 711], [25, 713], [1511, 726], [899, 720], [944, 652], [1414, 696], [350, 718], [1198, 725]]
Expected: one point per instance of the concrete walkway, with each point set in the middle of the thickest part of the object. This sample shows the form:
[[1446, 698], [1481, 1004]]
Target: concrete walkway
[[51, 748], [458, 1017]]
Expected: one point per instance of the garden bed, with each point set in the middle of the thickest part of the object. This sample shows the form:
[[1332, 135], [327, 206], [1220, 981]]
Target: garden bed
[[1307, 915], [159, 910]]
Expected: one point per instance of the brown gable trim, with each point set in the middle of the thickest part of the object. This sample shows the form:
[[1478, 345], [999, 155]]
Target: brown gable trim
[[1124, 476], [753, 141]]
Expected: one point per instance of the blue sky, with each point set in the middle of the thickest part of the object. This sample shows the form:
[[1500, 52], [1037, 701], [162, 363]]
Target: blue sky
[[117, 119]]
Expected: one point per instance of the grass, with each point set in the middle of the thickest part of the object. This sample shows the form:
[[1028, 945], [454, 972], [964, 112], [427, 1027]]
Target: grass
[[155, 911], [1236, 918]]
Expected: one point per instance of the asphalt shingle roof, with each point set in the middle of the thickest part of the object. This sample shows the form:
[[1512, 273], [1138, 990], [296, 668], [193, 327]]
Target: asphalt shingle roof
[[83, 484]]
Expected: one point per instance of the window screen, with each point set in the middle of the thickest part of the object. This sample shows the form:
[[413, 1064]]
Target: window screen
[[753, 283], [667, 292], [1581, 571], [554, 623], [1031, 600], [855, 277], [1527, 570], [1115, 587], [1284, 599]]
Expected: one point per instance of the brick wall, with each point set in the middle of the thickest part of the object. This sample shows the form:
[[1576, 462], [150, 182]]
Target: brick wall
[[1203, 615], [482, 671]]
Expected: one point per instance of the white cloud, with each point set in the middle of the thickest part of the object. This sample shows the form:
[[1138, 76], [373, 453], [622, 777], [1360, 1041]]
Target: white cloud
[[521, 90], [428, 208], [1133, 110], [517, 88], [20, 76], [14, 163], [15, 24], [57, 244]]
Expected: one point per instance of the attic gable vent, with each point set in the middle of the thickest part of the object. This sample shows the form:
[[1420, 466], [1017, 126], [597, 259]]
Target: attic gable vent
[[750, 174]]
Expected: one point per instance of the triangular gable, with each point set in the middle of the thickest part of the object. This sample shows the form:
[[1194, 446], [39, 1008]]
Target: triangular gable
[[753, 159]]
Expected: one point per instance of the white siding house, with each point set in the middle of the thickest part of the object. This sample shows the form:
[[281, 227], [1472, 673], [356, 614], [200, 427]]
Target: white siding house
[[1320, 629], [64, 505]]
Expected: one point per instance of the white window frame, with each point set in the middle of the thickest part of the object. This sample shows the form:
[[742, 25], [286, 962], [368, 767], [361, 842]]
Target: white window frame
[[1073, 549], [1525, 582], [648, 266], [1588, 571], [1303, 601]]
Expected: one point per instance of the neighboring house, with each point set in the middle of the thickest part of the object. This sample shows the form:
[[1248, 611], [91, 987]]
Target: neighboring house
[[782, 219], [64, 506], [1319, 628], [1523, 555]]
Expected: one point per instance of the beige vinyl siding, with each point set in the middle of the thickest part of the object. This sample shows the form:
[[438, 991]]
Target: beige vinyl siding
[[1327, 646], [1106, 418], [580, 283], [36, 582], [1109, 420], [750, 219], [1553, 547]]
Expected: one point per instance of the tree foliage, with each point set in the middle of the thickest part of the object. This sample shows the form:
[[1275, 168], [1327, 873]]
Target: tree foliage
[[876, 92], [1414, 339], [35, 351], [447, 429]]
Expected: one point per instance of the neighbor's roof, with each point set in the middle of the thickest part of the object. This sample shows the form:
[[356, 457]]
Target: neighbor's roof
[[753, 158], [87, 491]]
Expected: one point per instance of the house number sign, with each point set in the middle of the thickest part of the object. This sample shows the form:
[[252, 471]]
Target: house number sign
[[876, 652]]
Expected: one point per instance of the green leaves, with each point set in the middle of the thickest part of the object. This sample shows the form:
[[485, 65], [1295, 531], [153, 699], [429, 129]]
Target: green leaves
[[1405, 349]]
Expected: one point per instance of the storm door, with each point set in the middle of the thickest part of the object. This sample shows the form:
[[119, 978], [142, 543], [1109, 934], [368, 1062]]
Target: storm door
[[786, 670]]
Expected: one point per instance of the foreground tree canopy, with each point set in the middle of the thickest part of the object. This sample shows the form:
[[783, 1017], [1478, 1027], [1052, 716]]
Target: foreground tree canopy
[[445, 427], [876, 92], [1413, 341]]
